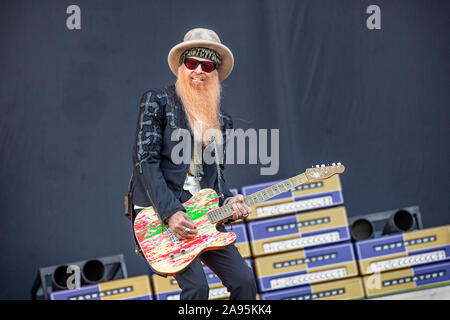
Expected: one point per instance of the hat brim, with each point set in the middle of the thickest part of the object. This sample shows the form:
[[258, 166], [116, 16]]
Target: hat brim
[[227, 57]]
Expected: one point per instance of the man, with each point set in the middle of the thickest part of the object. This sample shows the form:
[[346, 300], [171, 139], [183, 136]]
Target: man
[[200, 63]]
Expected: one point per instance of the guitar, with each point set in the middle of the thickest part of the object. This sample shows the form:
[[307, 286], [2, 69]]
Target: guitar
[[168, 255]]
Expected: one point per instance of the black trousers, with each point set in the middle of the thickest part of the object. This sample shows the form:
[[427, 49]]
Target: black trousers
[[226, 263]]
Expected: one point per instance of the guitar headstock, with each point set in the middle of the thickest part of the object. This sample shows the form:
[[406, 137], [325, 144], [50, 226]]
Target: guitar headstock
[[324, 172]]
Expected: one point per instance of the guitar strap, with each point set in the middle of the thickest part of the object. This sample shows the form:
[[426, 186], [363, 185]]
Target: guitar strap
[[219, 175], [130, 214], [129, 200]]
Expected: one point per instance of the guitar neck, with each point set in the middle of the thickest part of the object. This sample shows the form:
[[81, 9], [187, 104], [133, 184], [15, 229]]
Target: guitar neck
[[226, 211]]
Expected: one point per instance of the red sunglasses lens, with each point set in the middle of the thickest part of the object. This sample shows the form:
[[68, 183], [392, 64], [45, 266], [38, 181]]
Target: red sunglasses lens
[[208, 66], [191, 63]]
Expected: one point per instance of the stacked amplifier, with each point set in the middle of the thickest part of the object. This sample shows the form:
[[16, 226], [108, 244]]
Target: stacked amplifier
[[405, 261], [134, 288], [300, 243]]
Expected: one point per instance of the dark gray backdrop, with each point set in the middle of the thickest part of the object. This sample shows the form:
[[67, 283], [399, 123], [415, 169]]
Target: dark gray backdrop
[[375, 100]]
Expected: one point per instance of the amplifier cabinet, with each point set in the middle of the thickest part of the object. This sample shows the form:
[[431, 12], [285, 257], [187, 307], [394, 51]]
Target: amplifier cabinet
[[286, 270], [403, 249], [408, 279], [134, 288], [165, 288], [347, 289], [312, 196], [242, 241], [168, 289], [297, 231]]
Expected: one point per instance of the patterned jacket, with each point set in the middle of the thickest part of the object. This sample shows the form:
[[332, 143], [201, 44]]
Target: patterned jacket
[[157, 180]]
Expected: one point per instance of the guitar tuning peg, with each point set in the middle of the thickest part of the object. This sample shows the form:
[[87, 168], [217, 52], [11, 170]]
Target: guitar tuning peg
[[338, 163], [333, 164], [323, 166], [317, 166]]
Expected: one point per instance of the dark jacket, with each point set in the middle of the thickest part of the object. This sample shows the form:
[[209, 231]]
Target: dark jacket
[[158, 181]]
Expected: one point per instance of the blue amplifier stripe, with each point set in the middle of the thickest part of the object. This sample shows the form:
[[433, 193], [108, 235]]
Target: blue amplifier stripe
[[344, 253], [432, 268], [258, 229], [287, 293], [67, 294], [366, 248]]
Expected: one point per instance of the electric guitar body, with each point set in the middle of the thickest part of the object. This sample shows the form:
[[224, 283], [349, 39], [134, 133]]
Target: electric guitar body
[[168, 255]]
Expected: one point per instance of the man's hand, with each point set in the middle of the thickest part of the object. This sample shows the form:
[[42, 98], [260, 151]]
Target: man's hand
[[181, 225], [240, 209]]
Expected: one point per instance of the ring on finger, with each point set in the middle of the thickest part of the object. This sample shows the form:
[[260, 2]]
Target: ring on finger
[[187, 230]]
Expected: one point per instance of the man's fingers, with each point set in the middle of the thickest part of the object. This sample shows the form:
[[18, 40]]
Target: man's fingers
[[236, 211], [182, 234], [240, 210], [187, 229]]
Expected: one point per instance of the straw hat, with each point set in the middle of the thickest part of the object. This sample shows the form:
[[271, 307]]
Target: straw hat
[[202, 38]]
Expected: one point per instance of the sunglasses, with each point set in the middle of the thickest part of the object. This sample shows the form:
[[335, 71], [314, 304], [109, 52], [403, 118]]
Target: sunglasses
[[192, 64]]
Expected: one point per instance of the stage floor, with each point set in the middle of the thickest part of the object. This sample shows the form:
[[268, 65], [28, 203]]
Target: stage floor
[[438, 293]]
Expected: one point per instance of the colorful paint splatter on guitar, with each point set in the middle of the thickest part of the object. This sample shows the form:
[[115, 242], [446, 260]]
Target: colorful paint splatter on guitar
[[158, 247]]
